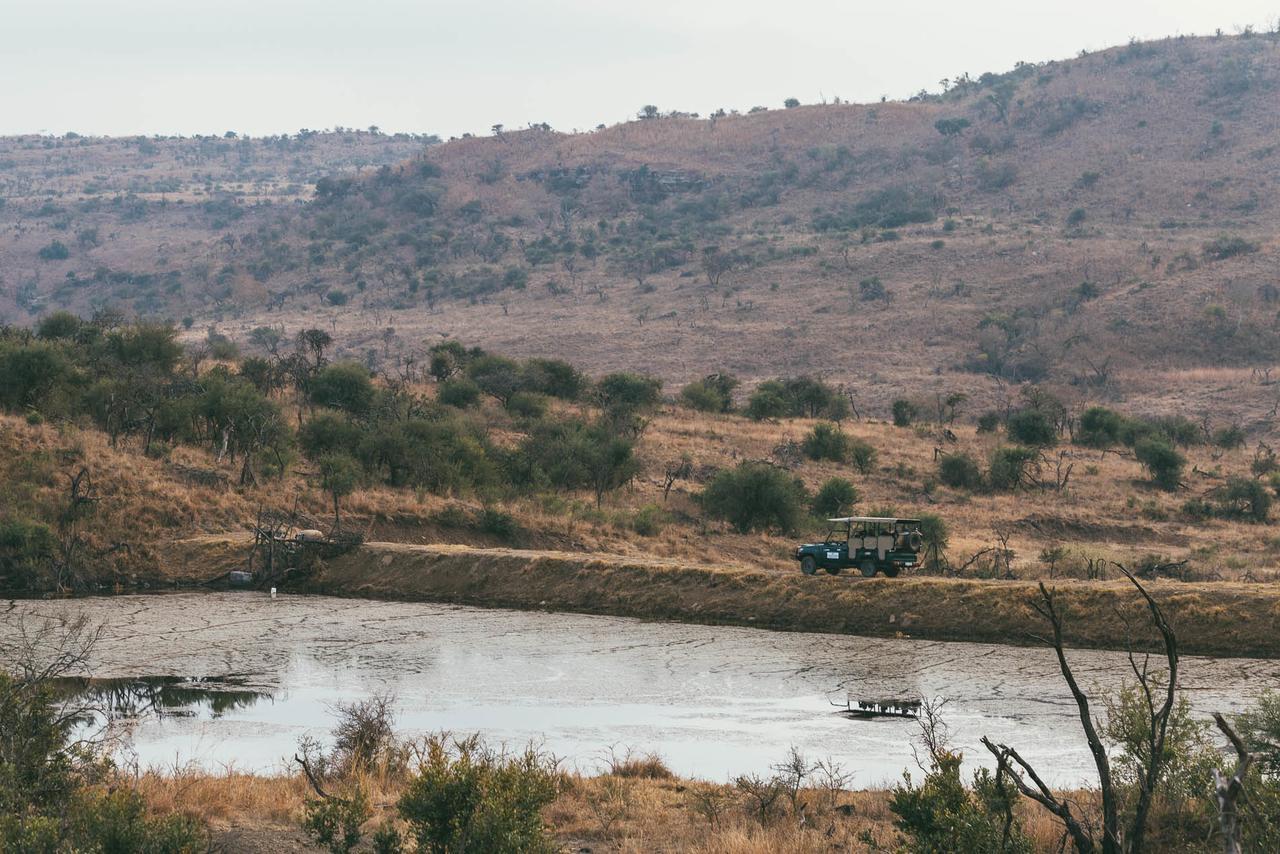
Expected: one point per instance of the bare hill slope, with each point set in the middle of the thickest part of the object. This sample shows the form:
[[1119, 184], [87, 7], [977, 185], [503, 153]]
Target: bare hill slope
[[1106, 223]]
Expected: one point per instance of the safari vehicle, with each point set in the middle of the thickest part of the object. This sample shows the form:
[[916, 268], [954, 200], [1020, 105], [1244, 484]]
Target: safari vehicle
[[870, 544]]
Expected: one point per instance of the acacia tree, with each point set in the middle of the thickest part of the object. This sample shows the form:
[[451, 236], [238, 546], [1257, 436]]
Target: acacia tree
[[1157, 701], [339, 475]]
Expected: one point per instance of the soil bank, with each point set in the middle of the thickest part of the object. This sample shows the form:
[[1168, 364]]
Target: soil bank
[[1211, 618]]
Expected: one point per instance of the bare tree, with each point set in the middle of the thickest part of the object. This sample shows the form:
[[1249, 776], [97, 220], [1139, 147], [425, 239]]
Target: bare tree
[[1158, 699], [1229, 789]]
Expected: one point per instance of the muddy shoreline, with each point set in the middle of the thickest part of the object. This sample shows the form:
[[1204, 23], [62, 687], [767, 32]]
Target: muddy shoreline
[[1215, 619]]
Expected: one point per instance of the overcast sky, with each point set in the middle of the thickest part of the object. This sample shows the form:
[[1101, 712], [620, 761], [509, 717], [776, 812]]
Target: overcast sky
[[449, 66]]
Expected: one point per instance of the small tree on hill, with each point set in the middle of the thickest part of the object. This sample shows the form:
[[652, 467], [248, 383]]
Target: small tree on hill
[[1161, 460], [756, 496], [339, 476], [834, 497]]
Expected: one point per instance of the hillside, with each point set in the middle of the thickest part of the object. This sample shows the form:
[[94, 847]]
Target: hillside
[[1105, 225]]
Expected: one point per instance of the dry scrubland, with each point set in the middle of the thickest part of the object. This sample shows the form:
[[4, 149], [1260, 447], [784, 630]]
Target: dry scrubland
[[162, 520], [1108, 511], [638, 808], [1066, 235]]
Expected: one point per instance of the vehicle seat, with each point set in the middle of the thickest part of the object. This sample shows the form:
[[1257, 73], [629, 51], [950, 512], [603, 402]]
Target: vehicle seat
[[884, 544]]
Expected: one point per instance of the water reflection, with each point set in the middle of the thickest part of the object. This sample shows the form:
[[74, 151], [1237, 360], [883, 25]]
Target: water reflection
[[137, 696]]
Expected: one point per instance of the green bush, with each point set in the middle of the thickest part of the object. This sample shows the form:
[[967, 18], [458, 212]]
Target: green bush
[[1244, 498], [554, 378], [1100, 427], [497, 523], [1224, 247], [756, 496], [328, 433], [468, 799], [989, 422], [55, 251], [26, 554], [1008, 468], [826, 442], [527, 405], [460, 392], [710, 394], [834, 497], [343, 385], [1229, 437], [942, 815], [767, 402], [959, 471], [57, 795], [1031, 427], [796, 397], [1161, 460], [936, 538], [649, 520], [862, 454], [904, 412], [573, 454], [335, 823]]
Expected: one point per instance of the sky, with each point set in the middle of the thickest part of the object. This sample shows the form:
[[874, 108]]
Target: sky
[[122, 67]]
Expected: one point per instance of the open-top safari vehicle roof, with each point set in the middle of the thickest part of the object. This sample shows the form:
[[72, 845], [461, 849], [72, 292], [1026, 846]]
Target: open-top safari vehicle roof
[[889, 520]]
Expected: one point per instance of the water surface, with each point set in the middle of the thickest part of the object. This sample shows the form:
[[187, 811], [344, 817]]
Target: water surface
[[713, 701]]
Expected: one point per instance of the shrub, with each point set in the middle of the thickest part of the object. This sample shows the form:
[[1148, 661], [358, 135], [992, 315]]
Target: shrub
[[326, 433], [1100, 427], [1230, 437], [988, 422], [554, 378], [767, 402], [992, 177], [936, 536], [959, 471], [1032, 427], [1244, 498], [835, 496], [862, 454], [1008, 468], [468, 798], [527, 405], [1161, 460], [460, 392], [345, 386], [572, 454], [337, 297], [1076, 217], [943, 815], [496, 376], [49, 797], [796, 397], [628, 391], [26, 553], [649, 520], [755, 496], [826, 442], [334, 823], [55, 251], [497, 523], [904, 412], [1224, 247], [710, 394]]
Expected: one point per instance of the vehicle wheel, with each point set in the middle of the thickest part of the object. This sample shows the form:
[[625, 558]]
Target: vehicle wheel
[[892, 571], [868, 568], [833, 570], [808, 565]]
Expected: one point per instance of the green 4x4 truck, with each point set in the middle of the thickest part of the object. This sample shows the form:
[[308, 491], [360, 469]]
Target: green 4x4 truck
[[870, 544]]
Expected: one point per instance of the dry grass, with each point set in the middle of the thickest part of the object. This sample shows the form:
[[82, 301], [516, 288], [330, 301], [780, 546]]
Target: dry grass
[[609, 812]]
